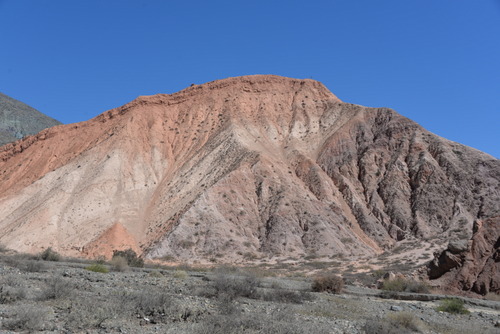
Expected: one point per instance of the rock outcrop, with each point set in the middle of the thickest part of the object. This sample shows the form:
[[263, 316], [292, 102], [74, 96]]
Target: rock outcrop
[[472, 266], [18, 120], [239, 169]]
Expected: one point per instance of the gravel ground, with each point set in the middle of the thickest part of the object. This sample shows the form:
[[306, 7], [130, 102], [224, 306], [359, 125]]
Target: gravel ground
[[63, 297]]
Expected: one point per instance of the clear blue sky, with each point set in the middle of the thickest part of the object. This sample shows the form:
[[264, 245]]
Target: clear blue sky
[[434, 61]]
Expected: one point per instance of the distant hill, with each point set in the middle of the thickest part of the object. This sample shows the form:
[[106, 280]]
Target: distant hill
[[18, 120]]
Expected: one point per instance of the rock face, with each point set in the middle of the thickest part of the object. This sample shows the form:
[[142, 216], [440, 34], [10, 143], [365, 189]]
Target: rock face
[[242, 168], [18, 120], [472, 266]]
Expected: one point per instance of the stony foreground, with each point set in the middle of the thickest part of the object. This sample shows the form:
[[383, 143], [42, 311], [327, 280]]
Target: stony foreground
[[64, 297]]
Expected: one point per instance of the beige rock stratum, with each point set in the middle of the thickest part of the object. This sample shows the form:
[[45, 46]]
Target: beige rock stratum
[[241, 168]]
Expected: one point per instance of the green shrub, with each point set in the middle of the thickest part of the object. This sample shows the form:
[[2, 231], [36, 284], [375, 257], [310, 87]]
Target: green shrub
[[98, 268], [328, 283], [132, 259], [453, 305], [50, 255]]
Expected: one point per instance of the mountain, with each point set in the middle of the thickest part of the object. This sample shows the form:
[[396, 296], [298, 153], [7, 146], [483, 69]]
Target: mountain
[[241, 169], [18, 120]]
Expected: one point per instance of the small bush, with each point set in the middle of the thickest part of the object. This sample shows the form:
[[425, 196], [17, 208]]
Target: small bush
[[417, 287], [132, 259], [405, 320], [249, 322], [285, 296], [453, 305], [180, 274], [149, 302], [493, 296], [101, 259], [379, 273], [119, 263], [50, 255], [398, 323], [26, 317], [88, 314], [57, 288], [98, 268], [233, 285], [404, 285], [155, 274], [382, 326], [328, 283], [33, 266], [9, 294]]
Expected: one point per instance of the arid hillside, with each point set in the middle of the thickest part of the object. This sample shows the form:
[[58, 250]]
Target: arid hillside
[[240, 169]]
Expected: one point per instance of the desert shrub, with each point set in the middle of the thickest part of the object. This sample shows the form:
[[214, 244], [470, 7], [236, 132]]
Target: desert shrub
[[49, 255], [119, 263], [33, 266], [132, 259], [3, 248], [98, 268], [397, 284], [404, 285], [405, 320], [180, 274], [417, 287], [493, 296], [26, 317], [10, 294], [275, 323], [101, 259], [155, 274], [280, 295], [382, 326], [24, 263], [233, 285], [85, 313], [151, 303], [397, 323], [328, 283], [57, 288], [379, 273], [452, 305]]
